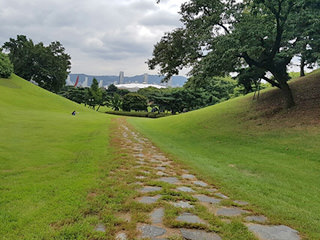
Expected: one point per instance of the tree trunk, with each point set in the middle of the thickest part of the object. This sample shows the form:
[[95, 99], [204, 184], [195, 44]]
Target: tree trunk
[[287, 93], [302, 65]]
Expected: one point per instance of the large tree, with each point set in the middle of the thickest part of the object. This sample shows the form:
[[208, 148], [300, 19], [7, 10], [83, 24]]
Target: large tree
[[47, 65], [249, 36]]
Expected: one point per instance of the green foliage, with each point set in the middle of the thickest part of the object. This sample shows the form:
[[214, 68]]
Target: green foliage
[[6, 67], [94, 94], [114, 101], [134, 101], [219, 37], [47, 65], [139, 114], [76, 94]]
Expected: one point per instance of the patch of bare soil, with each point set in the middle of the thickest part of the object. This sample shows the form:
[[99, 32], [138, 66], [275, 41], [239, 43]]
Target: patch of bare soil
[[269, 108]]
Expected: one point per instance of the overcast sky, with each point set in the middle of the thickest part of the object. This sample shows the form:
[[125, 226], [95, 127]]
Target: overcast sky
[[103, 37]]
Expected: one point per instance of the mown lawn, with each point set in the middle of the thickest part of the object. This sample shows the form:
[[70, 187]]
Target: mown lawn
[[274, 164], [49, 162]]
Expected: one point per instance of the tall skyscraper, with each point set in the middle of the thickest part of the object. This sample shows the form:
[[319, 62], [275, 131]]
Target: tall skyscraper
[[121, 77], [85, 83], [145, 78]]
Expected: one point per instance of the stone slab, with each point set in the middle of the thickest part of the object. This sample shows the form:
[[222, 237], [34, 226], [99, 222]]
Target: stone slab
[[148, 189], [100, 228], [206, 199], [149, 231], [280, 232], [230, 212], [157, 216], [242, 203], [221, 195], [200, 183], [189, 218], [140, 177], [159, 173], [188, 176], [172, 180], [259, 219], [149, 200], [189, 234], [121, 236], [182, 204], [161, 168], [185, 189]]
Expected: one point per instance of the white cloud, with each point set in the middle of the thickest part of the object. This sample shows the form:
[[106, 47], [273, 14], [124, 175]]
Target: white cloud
[[102, 36]]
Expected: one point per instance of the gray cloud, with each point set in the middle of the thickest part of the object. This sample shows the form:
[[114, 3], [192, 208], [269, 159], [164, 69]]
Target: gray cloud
[[102, 36]]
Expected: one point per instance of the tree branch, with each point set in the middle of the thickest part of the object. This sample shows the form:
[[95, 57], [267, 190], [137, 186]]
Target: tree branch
[[273, 83]]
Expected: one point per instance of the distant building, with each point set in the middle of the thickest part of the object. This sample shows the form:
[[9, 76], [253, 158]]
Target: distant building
[[85, 83], [121, 77], [68, 81], [145, 78], [134, 87], [101, 84]]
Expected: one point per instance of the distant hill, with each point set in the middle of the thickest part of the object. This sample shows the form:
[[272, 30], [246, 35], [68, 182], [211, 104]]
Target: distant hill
[[177, 81]]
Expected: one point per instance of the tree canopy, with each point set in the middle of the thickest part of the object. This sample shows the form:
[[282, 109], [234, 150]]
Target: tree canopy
[[251, 37], [47, 65], [6, 67]]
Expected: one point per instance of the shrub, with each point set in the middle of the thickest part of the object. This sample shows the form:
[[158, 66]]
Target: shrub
[[140, 114], [6, 67], [134, 101]]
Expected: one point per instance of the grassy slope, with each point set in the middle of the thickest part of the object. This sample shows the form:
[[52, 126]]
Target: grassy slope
[[49, 160], [254, 151]]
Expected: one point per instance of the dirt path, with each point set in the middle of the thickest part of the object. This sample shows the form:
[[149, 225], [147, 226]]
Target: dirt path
[[177, 205]]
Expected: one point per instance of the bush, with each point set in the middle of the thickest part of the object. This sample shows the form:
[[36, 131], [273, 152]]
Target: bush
[[134, 101], [140, 114], [6, 67]]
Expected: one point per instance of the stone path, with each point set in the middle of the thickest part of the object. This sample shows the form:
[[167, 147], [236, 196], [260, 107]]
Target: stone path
[[183, 206]]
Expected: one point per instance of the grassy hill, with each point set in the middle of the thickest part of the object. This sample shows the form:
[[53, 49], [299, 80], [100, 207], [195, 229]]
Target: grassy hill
[[255, 151], [49, 162]]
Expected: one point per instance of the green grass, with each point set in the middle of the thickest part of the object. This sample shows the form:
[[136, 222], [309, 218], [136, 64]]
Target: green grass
[[274, 166], [49, 162]]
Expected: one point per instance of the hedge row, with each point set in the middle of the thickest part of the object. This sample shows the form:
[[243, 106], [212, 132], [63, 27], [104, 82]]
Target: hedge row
[[139, 114]]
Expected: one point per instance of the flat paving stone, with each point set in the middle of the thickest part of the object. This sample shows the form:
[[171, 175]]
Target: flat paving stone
[[140, 177], [200, 183], [189, 234], [157, 215], [212, 190], [161, 168], [230, 212], [259, 219], [172, 180], [148, 189], [242, 203], [280, 232], [149, 231], [139, 155], [221, 195], [206, 199], [149, 200], [188, 176], [185, 189], [182, 204], [100, 228], [121, 236], [159, 173], [190, 218]]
